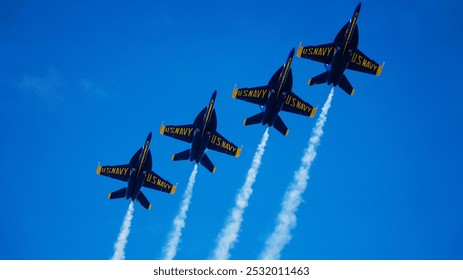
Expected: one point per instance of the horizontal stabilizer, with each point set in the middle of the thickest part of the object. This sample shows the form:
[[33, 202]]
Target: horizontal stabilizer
[[280, 126], [320, 79], [118, 194], [182, 155], [143, 201], [254, 119], [206, 162], [345, 85]]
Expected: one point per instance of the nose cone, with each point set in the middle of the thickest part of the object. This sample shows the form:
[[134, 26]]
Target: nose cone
[[214, 95], [291, 53], [357, 10], [148, 139]]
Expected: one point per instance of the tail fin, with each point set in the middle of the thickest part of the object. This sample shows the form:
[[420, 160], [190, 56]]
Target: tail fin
[[143, 201], [118, 194], [182, 155], [280, 126], [345, 85], [320, 79], [254, 119], [206, 162]]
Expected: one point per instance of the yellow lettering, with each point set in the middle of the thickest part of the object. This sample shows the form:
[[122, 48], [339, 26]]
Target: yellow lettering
[[365, 63], [329, 50], [163, 184]]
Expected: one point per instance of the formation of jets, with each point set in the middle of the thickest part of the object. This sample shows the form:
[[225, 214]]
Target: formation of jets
[[272, 98]]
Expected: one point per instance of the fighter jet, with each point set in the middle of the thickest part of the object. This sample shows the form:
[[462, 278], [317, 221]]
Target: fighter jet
[[137, 174], [201, 134], [340, 55], [275, 97]]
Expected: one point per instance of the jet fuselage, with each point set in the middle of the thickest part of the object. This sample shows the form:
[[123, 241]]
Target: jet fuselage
[[204, 126], [279, 86], [140, 166], [345, 45]]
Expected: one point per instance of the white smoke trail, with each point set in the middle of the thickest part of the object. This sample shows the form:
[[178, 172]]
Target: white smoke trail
[[170, 250], [229, 234], [119, 246], [286, 220]]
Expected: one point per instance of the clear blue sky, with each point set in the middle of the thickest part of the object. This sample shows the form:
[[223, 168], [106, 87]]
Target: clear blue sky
[[86, 82]]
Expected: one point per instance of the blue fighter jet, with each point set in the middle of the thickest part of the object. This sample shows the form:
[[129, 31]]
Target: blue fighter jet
[[137, 174], [274, 97], [201, 134], [340, 55]]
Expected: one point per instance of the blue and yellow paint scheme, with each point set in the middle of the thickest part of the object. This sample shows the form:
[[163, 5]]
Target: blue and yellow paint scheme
[[137, 174], [340, 55], [202, 135], [276, 96]]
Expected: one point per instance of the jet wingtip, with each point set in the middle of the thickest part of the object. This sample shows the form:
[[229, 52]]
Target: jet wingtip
[[235, 92], [149, 207], [174, 188], [238, 152], [162, 129], [314, 111], [98, 169], [214, 169], [380, 70], [299, 50]]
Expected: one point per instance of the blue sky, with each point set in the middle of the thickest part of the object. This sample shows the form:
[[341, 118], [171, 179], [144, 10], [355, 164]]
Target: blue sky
[[86, 82]]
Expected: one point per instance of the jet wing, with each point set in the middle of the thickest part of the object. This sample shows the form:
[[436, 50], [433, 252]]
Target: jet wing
[[321, 53], [218, 143], [256, 95], [180, 132], [156, 182], [118, 172], [294, 104], [362, 63]]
